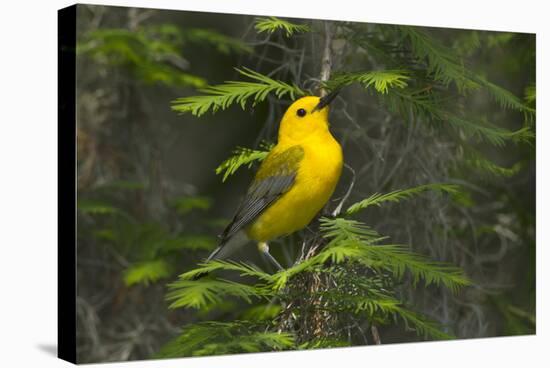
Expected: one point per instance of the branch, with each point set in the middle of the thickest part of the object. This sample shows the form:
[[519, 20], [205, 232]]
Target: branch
[[338, 208], [375, 335], [221, 96], [326, 61], [398, 195]]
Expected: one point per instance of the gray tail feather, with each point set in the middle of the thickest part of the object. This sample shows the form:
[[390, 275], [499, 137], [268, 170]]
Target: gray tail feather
[[215, 253], [224, 250]]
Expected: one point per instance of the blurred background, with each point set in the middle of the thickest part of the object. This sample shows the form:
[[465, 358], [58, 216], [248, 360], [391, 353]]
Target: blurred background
[[150, 203]]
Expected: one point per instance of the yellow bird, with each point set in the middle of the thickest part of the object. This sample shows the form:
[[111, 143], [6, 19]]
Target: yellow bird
[[295, 180]]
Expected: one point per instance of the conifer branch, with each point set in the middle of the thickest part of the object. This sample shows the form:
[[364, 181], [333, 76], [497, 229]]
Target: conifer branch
[[351, 240], [530, 94], [475, 160], [135, 49], [221, 96], [203, 293], [380, 80], [214, 338], [243, 269], [420, 324], [146, 272], [397, 195], [379, 306], [272, 24], [427, 107], [442, 63], [242, 156], [447, 67]]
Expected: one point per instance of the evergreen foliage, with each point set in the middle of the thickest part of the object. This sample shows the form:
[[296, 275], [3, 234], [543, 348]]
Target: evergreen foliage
[[213, 338], [373, 265], [153, 53], [149, 247], [239, 92], [242, 156], [358, 265], [272, 24], [447, 67], [188, 203], [147, 272], [484, 166], [381, 80], [353, 273], [398, 195], [428, 107], [530, 94]]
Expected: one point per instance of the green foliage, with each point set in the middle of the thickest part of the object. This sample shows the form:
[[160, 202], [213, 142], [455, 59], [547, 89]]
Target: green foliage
[[272, 24], [447, 67], [360, 272], [397, 195], [149, 53], [381, 80], [186, 204], [420, 324], [201, 294], [425, 105], [443, 64], [475, 160], [467, 43], [190, 242], [148, 250], [224, 95], [399, 258], [499, 39], [154, 53], [95, 207], [242, 156], [485, 131], [518, 318], [351, 239], [262, 312], [349, 276], [146, 272], [369, 302], [242, 269], [518, 321], [222, 43], [530, 94], [505, 98], [352, 255], [324, 343], [216, 338]]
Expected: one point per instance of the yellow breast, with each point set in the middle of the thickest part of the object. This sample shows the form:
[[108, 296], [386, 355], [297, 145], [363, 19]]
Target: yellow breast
[[317, 177]]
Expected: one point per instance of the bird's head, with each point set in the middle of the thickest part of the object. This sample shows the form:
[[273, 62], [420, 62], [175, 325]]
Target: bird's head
[[305, 117]]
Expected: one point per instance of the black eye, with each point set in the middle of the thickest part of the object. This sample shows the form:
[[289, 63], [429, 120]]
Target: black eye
[[301, 112]]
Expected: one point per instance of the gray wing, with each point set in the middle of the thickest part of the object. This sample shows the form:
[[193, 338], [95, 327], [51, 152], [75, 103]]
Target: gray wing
[[275, 177]]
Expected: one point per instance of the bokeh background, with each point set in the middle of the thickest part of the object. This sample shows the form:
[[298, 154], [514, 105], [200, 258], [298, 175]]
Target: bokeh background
[[150, 203]]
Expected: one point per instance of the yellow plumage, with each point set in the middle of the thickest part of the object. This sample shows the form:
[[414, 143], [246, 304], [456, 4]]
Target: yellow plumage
[[317, 175], [295, 180]]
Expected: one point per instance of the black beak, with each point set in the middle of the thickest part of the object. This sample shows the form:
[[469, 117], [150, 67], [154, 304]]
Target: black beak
[[326, 100]]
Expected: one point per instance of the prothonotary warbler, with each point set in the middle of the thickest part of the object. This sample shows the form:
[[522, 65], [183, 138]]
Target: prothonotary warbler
[[293, 183]]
